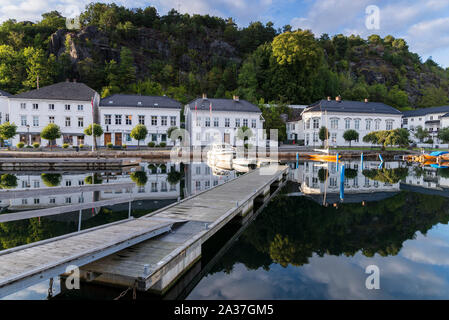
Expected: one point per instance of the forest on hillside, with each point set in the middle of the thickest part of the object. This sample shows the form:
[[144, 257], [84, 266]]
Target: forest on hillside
[[119, 49]]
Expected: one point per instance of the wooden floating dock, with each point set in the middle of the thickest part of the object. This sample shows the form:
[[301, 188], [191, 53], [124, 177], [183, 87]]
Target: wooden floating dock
[[18, 164], [122, 253], [156, 264]]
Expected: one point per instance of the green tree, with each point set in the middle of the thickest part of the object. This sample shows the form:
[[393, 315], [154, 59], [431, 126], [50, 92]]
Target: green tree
[[51, 132], [140, 178], [323, 134], [8, 181], [350, 135], [443, 135], [8, 131], [97, 132], [421, 133], [139, 132], [244, 133], [433, 97]]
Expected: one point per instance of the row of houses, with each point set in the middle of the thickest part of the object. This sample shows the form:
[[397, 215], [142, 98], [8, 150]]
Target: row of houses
[[74, 106], [364, 117]]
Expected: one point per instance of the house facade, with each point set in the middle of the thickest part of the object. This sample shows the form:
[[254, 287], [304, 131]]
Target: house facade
[[430, 119], [67, 104], [120, 113], [4, 109], [218, 120], [339, 116]]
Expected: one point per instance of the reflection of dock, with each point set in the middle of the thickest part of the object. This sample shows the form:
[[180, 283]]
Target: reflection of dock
[[171, 255], [65, 163], [203, 215]]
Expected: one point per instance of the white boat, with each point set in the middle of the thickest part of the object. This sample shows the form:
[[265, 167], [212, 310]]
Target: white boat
[[221, 153]]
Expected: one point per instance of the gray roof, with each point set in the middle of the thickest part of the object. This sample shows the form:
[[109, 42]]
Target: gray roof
[[445, 116], [129, 100], [4, 93], [424, 111], [60, 91], [224, 105], [352, 107]]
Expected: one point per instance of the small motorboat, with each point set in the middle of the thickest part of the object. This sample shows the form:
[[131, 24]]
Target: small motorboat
[[221, 152]]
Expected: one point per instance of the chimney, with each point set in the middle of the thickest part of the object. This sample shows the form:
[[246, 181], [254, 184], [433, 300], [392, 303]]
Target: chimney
[[328, 98], [338, 98], [236, 98], [204, 96], [366, 100]]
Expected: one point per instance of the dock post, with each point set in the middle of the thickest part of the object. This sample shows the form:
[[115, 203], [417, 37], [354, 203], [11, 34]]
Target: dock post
[[297, 160], [336, 160], [129, 209], [361, 161], [342, 183], [79, 220]]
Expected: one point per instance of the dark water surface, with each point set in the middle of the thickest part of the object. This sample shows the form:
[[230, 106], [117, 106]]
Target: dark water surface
[[314, 240]]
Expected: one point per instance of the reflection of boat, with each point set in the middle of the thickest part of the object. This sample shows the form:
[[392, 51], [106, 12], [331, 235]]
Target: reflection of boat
[[220, 168], [221, 152], [323, 157]]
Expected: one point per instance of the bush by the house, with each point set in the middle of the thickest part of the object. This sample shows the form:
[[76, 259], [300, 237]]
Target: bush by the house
[[151, 144], [65, 145], [20, 145], [36, 145], [162, 144], [110, 145]]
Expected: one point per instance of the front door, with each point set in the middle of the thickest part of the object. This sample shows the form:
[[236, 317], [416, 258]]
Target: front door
[[107, 138], [227, 138], [118, 139]]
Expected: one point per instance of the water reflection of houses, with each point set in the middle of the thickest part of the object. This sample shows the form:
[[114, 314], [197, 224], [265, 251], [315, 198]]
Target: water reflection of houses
[[154, 187], [316, 184], [200, 176], [427, 180]]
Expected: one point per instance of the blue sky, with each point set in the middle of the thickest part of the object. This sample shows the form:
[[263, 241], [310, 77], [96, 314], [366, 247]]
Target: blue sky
[[423, 23]]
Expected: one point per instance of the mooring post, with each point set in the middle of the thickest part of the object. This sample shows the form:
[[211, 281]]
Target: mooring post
[[361, 161], [297, 160], [129, 209], [336, 160], [79, 220], [342, 183]]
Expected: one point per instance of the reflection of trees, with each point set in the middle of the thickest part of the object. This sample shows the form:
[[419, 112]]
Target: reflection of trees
[[8, 181], [95, 180], [140, 178], [351, 173], [323, 174], [173, 177], [51, 179], [290, 230], [386, 175]]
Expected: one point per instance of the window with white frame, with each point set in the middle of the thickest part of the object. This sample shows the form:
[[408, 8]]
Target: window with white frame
[[334, 123], [51, 106], [347, 123], [107, 119], [334, 137], [154, 120], [51, 119], [118, 119], [173, 121], [357, 124], [142, 119], [389, 124], [368, 124], [67, 122], [316, 123], [207, 122], [245, 122], [198, 121], [377, 124], [35, 106], [23, 106], [307, 124], [237, 123], [227, 122], [67, 107], [128, 120], [80, 107], [216, 122], [80, 122], [35, 121], [23, 120], [164, 120], [254, 123]]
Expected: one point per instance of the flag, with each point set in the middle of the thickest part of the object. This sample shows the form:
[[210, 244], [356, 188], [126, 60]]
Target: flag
[[196, 113], [210, 110]]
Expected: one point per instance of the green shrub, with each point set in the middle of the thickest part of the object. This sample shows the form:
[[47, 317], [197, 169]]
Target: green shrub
[[81, 146], [29, 147], [36, 145], [163, 145], [151, 144], [110, 145], [20, 145], [65, 145], [124, 146]]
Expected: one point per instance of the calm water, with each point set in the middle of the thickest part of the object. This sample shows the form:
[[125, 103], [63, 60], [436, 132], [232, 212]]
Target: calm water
[[313, 241]]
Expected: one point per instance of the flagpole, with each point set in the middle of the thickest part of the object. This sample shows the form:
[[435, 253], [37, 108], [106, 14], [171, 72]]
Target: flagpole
[[93, 135]]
